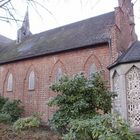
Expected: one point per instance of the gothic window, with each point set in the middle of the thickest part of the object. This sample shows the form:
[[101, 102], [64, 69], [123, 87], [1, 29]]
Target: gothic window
[[31, 85], [133, 96], [58, 74], [116, 89], [92, 70], [10, 82]]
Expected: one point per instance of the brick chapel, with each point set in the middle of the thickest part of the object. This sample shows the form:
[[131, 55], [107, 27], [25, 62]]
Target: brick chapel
[[105, 43]]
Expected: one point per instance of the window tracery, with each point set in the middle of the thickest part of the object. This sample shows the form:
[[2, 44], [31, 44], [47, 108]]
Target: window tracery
[[133, 96]]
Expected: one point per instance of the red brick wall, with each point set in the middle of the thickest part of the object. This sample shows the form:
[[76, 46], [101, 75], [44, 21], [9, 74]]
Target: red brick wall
[[45, 71], [71, 62], [124, 32]]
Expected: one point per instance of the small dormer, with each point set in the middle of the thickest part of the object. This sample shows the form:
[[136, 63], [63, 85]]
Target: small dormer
[[24, 31]]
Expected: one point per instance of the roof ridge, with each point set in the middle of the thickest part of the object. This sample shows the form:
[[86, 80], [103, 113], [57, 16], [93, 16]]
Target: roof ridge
[[69, 24], [81, 34]]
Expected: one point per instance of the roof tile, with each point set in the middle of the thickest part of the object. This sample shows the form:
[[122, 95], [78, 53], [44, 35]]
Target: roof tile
[[80, 34]]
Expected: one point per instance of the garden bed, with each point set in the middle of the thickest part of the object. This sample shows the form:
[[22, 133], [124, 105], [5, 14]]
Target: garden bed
[[7, 133]]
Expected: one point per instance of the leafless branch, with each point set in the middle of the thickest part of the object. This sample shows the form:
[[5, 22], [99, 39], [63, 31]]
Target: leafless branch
[[11, 13], [35, 8], [4, 2], [35, 2], [135, 2], [7, 18]]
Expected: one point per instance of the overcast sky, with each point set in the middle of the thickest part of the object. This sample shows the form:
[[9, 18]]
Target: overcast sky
[[63, 12]]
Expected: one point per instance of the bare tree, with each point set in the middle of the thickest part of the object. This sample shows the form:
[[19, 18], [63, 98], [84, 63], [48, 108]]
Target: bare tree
[[10, 13]]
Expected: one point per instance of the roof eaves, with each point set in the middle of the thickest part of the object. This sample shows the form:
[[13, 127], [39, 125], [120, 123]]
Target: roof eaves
[[120, 58], [99, 42], [131, 61]]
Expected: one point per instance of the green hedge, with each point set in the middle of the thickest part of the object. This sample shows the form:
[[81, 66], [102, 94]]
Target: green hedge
[[26, 123], [13, 108], [5, 118], [2, 101]]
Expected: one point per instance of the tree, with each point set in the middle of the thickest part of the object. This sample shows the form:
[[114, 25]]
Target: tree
[[7, 7], [84, 107], [79, 97]]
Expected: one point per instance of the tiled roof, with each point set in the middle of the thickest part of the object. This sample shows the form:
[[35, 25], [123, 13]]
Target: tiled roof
[[4, 40], [131, 55], [73, 36]]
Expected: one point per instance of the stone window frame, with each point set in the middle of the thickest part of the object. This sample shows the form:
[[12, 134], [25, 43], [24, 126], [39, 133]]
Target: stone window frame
[[117, 100], [89, 61], [127, 100], [123, 70], [92, 70], [31, 81], [9, 86], [59, 74], [58, 64]]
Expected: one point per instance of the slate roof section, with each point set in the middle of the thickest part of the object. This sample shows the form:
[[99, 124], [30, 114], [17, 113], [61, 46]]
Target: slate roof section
[[4, 41], [130, 56], [73, 36]]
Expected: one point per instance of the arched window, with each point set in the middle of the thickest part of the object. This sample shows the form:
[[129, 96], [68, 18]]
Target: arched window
[[10, 82], [133, 96], [58, 74], [92, 70], [31, 85], [116, 89]]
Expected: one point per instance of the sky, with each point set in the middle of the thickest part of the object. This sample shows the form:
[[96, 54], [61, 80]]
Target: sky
[[61, 12]]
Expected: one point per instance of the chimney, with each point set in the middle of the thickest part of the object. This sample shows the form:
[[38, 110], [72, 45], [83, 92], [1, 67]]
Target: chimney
[[127, 8], [124, 17], [24, 31]]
